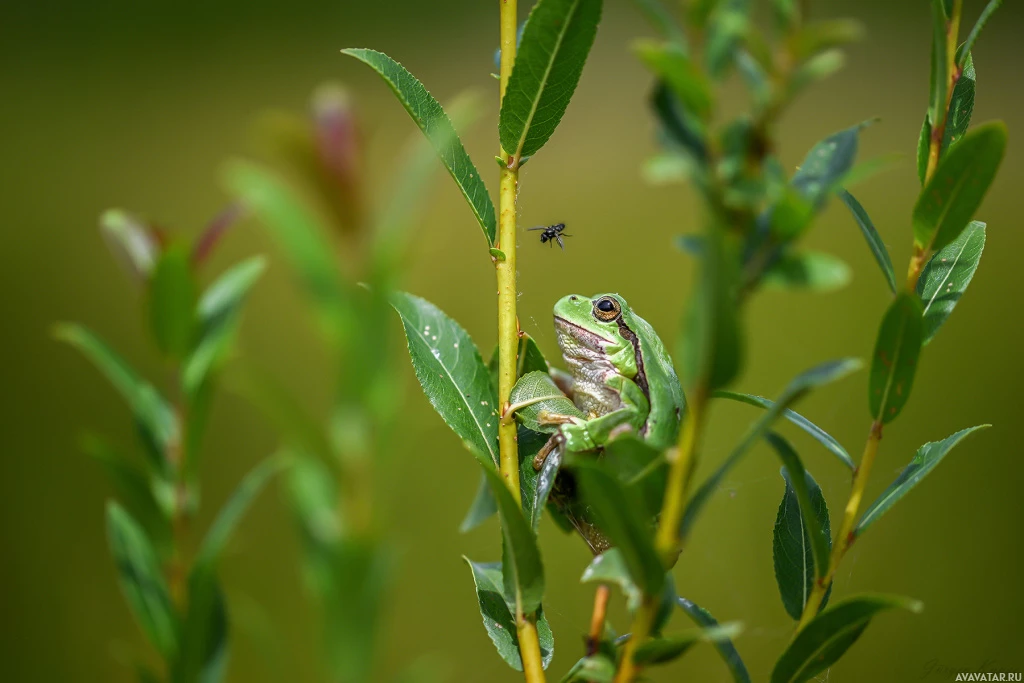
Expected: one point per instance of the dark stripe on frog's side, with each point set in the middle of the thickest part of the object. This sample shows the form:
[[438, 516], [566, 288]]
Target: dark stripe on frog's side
[[641, 376]]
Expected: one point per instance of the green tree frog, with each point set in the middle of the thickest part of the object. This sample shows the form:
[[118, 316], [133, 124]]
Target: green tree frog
[[620, 379]]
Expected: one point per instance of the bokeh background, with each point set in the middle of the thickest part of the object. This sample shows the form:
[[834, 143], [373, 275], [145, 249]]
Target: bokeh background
[[138, 105]]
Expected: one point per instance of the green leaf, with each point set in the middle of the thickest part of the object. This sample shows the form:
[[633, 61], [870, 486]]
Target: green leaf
[[204, 647], [826, 164], [872, 237], [824, 640], [640, 467], [895, 359], [218, 314], [230, 515], [964, 53], [529, 358], [807, 269], [524, 572], [957, 187], [302, 237], [802, 536], [142, 580], [544, 481], [553, 49], [924, 142], [131, 241], [944, 280], [435, 124], [925, 460], [939, 80], [499, 616], [155, 417], [667, 649], [816, 69], [452, 374], [662, 20], [712, 346], [816, 432], [481, 509], [727, 28], [818, 36], [670, 64], [610, 568], [961, 106], [620, 515], [678, 131], [597, 668], [816, 537], [796, 389], [312, 493], [702, 617], [364, 568], [171, 302], [540, 397], [134, 489]]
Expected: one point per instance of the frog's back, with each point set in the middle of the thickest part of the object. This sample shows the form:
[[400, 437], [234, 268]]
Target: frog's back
[[668, 404]]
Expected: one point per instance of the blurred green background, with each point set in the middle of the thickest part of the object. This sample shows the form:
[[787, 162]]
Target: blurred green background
[[138, 104]]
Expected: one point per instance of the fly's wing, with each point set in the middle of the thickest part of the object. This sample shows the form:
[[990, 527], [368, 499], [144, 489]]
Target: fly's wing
[[539, 227], [561, 243]]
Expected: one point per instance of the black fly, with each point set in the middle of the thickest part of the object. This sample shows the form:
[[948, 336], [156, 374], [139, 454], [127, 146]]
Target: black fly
[[552, 233]]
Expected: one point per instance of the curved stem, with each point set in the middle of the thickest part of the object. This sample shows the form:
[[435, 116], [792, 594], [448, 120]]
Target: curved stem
[[597, 619]]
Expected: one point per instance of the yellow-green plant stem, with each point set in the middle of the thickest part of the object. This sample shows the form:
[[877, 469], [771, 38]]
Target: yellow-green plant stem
[[642, 623], [953, 72], [508, 329], [508, 332], [667, 538], [845, 536]]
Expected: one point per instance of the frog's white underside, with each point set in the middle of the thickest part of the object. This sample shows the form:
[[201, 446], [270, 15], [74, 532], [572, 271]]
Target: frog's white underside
[[586, 358]]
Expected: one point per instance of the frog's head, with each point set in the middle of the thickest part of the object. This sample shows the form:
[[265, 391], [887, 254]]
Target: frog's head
[[589, 327]]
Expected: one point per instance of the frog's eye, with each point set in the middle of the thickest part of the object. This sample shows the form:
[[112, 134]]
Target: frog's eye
[[607, 309]]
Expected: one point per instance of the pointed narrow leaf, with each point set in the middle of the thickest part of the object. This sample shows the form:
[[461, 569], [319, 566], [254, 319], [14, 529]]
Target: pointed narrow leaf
[[972, 37], [131, 241], [702, 617], [553, 49], [958, 186], [218, 312], [134, 489], [961, 105], [520, 545], [894, 362], [727, 28], [619, 515], [299, 233], [939, 79], [435, 124], [171, 302], [802, 536], [204, 646], [230, 515], [499, 616], [141, 579], [944, 280], [154, 415], [925, 460], [452, 374], [924, 142], [481, 509], [825, 639], [678, 130], [805, 269], [661, 19], [816, 432], [827, 162], [872, 237], [796, 389], [664, 650], [814, 522], [670, 64]]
